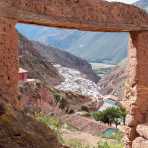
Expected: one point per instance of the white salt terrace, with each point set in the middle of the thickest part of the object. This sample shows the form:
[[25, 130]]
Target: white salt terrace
[[77, 82]]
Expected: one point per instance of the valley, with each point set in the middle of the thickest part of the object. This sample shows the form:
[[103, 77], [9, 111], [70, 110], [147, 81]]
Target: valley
[[102, 69], [66, 91], [71, 83]]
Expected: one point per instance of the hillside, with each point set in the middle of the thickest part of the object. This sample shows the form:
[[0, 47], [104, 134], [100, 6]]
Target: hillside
[[47, 55], [37, 66], [63, 58], [17, 130], [44, 95], [142, 4], [113, 83]]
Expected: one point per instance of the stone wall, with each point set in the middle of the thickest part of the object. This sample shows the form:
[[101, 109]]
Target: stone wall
[[138, 83], [8, 60]]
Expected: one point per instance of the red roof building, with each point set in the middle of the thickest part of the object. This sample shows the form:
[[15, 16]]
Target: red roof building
[[23, 74]]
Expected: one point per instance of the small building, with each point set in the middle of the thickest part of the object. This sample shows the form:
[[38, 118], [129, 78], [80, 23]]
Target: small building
[[23, 74]]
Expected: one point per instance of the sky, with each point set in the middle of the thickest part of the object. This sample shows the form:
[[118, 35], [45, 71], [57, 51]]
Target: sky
[[125, 1]]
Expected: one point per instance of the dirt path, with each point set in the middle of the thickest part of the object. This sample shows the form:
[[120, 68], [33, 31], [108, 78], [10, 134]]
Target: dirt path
[[84, 138]]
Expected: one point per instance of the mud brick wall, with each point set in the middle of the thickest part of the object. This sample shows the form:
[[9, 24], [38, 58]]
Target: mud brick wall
[[137, 122], [8, 60], [92, 15]]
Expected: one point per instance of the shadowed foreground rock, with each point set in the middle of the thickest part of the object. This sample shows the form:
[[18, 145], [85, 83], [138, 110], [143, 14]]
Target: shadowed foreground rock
[[20, 131], [140, 143]]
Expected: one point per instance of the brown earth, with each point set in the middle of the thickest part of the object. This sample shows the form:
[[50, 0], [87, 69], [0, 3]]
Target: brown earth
[[20, 131], [114, 82], [36, 65], [39, 97], [83, 137], [85, 124]]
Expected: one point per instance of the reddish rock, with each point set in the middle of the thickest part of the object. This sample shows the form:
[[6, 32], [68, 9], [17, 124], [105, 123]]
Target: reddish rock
[[140, 143], [20, 131], [8, 60], [142, 130], [138, 79], [130, 121], [97, 15], [131, 133]]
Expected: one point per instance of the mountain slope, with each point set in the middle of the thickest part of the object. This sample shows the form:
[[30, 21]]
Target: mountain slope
[[37, 66], [18, 130], [41, 58], [113, 83], [56, 56], [142, 4]]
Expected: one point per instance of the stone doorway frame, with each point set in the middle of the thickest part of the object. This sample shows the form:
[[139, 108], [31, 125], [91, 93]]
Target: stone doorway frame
[[91, 15]]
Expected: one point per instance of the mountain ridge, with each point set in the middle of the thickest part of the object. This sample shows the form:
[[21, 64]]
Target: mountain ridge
[[41, 58], [142, 4], [86, 45]]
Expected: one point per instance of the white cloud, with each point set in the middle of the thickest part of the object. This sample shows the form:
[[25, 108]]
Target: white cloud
[[124, 1]]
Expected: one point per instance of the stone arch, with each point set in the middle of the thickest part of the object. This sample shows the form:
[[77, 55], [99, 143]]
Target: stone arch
[[92, 15]]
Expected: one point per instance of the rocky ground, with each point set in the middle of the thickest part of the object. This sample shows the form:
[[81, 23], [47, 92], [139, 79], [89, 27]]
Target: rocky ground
[[82, 137], [17, 130], [50, 100], [113, 83]]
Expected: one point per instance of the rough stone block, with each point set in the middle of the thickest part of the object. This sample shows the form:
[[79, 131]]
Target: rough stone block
[[140, 143], [142, 129]]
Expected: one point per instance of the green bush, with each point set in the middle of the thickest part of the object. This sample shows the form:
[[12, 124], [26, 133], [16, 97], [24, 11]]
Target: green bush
[[103, 145], [118, 136], [111, 115], [109, 145], [60, 100], [51, 122], [84, 108], [57, 97]]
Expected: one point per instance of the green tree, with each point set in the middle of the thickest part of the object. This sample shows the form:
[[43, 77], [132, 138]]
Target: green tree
[[111, 115], [123, 114]]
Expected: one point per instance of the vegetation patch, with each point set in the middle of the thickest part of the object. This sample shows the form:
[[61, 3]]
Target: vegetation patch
[[113, 115]]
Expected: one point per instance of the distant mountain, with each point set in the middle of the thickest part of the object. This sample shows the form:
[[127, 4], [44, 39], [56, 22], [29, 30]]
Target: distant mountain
[[142, 4], [41, 57], [91, 46], [113, 83]]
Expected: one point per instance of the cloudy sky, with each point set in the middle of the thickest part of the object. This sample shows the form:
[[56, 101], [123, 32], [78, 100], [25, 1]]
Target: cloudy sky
[[125, 1]]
